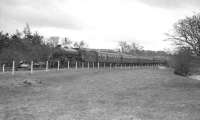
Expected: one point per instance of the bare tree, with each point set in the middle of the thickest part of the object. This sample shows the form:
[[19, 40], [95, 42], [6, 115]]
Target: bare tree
[[124, 46], [135, 48], [187, 33], [131, 48]]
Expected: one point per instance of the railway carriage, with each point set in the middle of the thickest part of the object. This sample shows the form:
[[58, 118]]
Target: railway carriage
[[102, 56], [113, 58], [88, 55], [142, 60], [129, 59], [93, 56]]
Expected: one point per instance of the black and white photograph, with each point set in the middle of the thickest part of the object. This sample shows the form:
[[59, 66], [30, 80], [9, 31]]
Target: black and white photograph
[[99, 60]]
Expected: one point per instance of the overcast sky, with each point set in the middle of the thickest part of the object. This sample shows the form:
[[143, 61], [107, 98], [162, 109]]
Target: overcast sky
[[101, 23]]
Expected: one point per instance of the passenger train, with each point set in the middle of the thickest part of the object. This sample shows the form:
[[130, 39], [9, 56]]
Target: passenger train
[[84, 55]]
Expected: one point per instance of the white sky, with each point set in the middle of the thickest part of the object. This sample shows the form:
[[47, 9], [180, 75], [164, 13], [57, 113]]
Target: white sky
[[101, 23]]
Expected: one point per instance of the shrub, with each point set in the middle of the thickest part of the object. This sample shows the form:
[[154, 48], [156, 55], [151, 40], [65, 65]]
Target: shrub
[[182, 61]]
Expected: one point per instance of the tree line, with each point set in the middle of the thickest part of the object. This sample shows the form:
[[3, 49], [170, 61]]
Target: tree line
[[30, 46], [23, 46]]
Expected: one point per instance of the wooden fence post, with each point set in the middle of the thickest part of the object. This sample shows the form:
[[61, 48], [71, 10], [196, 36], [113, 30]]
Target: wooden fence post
[[76, 65], [13, 68], [3, 67], [104, 65], [68, 64], [58, 65], [110, 66], [88, 65], [47, 65], [31, 67]]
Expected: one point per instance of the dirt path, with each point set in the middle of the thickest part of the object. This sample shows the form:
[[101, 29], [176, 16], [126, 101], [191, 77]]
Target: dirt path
[[141, 94]]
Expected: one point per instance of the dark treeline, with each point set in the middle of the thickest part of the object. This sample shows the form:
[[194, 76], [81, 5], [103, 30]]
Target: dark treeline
[[25, 45]]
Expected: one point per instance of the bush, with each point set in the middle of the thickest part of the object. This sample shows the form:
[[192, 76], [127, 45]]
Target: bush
[[182, 61]]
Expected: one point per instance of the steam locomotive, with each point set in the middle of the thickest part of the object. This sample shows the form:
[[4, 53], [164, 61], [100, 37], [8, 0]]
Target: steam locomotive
[[106, 57]]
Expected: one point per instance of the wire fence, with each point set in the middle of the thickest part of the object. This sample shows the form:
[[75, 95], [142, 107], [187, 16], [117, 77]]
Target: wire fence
[[57, 65]]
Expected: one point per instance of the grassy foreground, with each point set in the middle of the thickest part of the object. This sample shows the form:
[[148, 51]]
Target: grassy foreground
[[140, 94]]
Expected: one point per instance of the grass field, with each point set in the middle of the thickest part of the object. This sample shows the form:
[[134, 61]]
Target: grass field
[[140, 94]]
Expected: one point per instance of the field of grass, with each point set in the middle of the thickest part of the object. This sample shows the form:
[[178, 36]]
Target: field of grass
[[139, 94]]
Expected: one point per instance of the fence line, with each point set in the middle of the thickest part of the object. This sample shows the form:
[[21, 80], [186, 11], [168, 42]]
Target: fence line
[[74, 64]]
